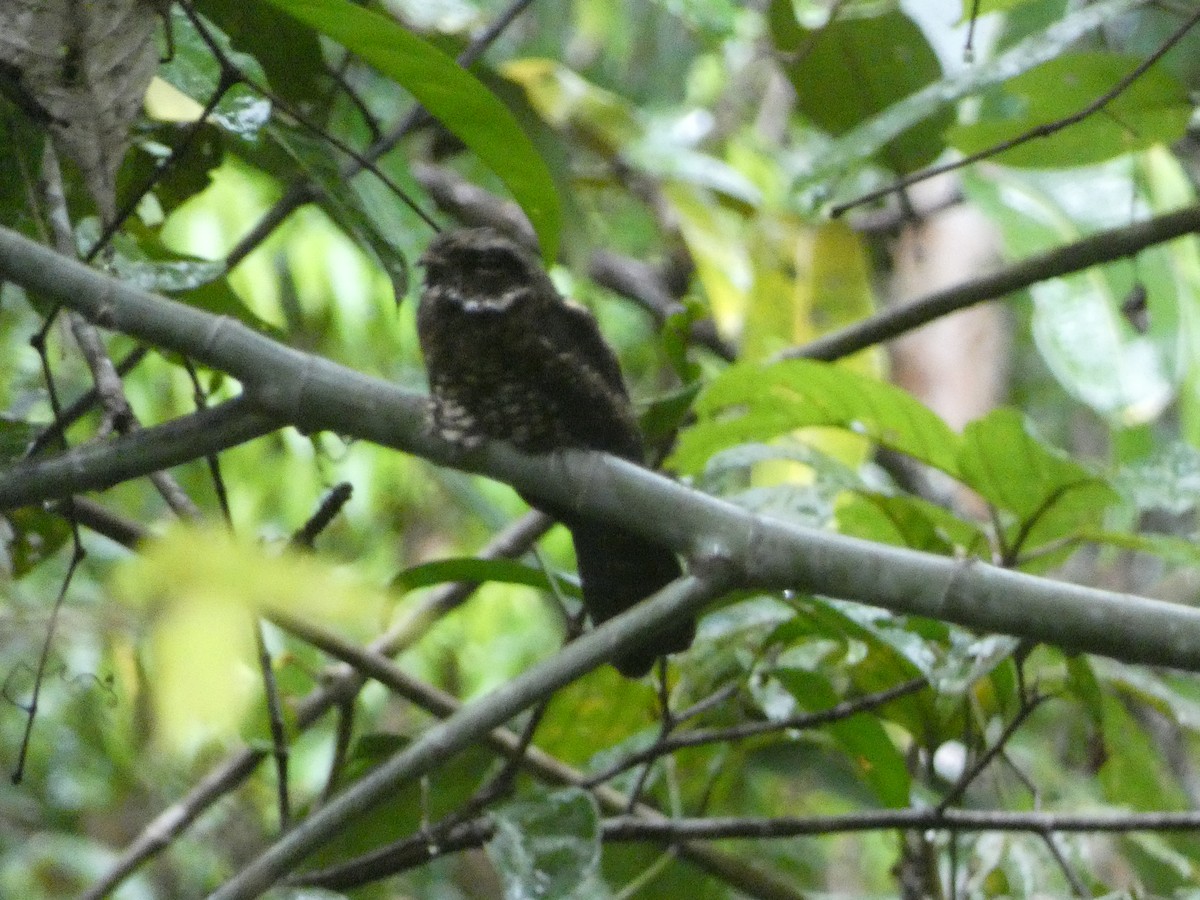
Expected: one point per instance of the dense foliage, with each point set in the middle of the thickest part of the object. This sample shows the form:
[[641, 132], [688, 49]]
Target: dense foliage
[[738, 192]]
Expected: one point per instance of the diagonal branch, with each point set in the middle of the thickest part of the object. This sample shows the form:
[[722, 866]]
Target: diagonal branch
[[547, 768], [1107, 246], [469, 724], [338, 688], [285, 385], [101, 464]]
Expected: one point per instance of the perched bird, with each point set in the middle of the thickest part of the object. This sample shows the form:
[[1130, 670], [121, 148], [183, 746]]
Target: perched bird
[[510, 359]]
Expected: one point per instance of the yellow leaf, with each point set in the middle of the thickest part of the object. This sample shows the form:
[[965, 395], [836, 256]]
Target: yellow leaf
[[200, 590]]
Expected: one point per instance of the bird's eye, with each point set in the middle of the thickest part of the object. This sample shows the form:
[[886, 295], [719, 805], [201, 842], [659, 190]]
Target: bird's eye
[[497, 269]]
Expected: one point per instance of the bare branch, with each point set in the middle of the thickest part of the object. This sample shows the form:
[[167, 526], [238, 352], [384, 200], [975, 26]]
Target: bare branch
[[1106, 246]]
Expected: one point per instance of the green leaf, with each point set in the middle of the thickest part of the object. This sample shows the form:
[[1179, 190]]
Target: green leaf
[[606, 121], [1153, 109], [36, 535], [199, 590], [989, 6], [907, 522], [868, 137], [1077, 323], [1085, 687], [15, 438], [289, 54], [1153, 690], [549, 846], [863, 738], [451, 94], [139, 258], [473, 569], [1134, 772], [666, 414], [591, 714], [854, 68], [1168, 480], [1050, 494], [194, 70], [894, 653], [1182, 551], [748, 402], [343, 202]]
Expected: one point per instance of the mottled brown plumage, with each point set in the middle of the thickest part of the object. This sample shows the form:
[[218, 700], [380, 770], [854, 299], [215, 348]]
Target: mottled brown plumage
[[510, 359]]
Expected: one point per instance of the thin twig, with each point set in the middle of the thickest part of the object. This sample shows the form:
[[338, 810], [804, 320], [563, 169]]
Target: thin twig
[[985, 759], [339, 688], [1106, 246], [331, 504], [1044, 130], [804, 721], [301, 191], [279, 742]]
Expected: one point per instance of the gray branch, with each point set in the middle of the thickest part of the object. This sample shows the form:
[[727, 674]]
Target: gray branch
[[284, 385], [1107, 246], [726, 544]]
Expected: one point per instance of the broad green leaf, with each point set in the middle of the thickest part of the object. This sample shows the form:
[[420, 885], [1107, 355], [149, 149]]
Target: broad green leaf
[[1050, 495], [894, 653], [713, 15], [139, 258], [754, 403], [989, 6], [665, 415], [969, 659], [1083, 684], [408, 807], [853, 68], [194, 70], [594, 713], [907, 522], [866, 139], [1168, 480], [1134, 772], [1162, 868], [549, 846], [565, 99], [716, 240], [187, 175], [1154, 109], [863, 738], [1171, 273], [473, 569], [15, 438], [1179, 550], [200, 590], [1147, 687], [35, 535], [289, 54], [451, 94], [806, 280], [342, 201]]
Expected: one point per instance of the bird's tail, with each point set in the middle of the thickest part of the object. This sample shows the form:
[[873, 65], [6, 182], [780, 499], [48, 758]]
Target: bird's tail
[[618, 569]]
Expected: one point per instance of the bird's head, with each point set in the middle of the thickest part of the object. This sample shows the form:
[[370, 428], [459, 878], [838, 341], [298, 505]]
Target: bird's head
[[482, 270]]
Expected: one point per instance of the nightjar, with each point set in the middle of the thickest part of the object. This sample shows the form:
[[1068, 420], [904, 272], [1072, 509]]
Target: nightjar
[[510, 359]]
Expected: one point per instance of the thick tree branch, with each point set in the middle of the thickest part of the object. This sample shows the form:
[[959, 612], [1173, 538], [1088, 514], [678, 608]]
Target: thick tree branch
[[289, 386], [101, 464]]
